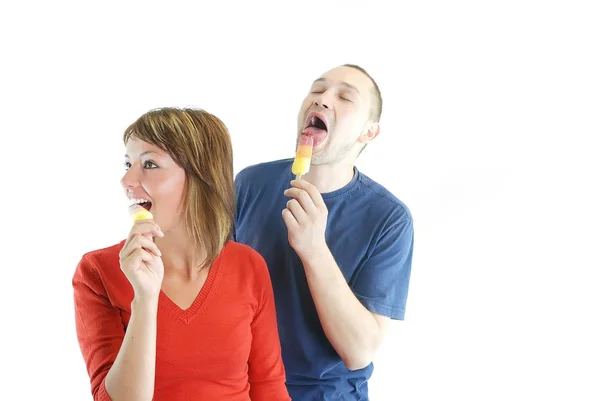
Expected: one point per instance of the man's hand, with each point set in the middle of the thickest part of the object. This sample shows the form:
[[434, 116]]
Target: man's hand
[[305, 217]]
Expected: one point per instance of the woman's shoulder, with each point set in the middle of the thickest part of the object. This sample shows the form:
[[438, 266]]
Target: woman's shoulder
[[245, 258], [243, 251], [104, 255], [100, 262], [107, 252], [99, 271]]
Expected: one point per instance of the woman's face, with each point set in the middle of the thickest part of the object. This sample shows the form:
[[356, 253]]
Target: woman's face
[[154, 178]]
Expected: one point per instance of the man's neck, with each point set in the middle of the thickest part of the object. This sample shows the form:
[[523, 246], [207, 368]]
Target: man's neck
[[330, 177]]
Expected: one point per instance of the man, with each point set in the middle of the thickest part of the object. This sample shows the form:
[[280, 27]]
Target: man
[[338, 245]]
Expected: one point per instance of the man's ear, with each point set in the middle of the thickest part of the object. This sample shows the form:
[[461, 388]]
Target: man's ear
[[370, 133]]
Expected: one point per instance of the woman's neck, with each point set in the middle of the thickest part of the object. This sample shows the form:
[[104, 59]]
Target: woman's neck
[[180, 255]]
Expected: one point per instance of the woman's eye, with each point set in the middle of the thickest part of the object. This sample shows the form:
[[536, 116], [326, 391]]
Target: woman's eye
[[149, 164], [127, 165]]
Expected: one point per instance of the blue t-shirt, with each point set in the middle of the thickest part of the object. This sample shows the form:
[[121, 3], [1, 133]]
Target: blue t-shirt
[[370, 234]]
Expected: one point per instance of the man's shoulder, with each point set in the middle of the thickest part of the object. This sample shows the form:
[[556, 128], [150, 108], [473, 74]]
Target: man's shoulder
[[263, 170], [383, 198]]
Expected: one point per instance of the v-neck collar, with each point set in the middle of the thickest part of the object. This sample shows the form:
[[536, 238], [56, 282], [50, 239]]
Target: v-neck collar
[[202, 298]]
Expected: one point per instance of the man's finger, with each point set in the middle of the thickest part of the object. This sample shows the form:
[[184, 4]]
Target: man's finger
[[303, 198], [297, 211], [290, 221], [312, 191]]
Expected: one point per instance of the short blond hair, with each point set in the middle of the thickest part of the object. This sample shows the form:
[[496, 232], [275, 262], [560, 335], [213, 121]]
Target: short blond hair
[[376, 98]]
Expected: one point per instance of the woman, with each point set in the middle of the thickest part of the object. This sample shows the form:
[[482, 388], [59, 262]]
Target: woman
[[177, 311]]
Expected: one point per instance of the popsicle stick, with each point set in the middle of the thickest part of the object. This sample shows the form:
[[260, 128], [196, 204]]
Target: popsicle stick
[[298, 176]]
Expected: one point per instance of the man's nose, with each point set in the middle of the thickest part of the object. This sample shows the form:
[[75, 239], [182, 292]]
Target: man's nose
[[324, 100]]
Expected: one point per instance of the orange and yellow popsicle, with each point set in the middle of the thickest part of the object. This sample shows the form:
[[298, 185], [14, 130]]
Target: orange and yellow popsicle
[[140, 213], [301, 164]]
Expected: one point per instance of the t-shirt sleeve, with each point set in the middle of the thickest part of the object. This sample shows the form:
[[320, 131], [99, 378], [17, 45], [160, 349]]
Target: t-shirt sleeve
[[382, 283], [99, 327], [266, 372]]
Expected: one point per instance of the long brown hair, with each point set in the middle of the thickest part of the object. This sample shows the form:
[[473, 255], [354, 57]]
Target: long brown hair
[[198, 142]]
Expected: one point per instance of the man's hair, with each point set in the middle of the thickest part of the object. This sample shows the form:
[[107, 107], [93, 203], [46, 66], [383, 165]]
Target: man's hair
[[200, 143], [376, 93]]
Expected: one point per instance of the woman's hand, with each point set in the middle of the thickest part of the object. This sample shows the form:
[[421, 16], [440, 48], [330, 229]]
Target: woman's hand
[[141, 260]]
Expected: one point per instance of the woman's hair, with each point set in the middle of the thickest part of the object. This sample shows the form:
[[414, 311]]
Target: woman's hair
[[199, 142]]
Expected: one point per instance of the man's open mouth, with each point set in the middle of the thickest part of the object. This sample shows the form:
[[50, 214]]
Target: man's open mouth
[[316, 125], [316, 122]]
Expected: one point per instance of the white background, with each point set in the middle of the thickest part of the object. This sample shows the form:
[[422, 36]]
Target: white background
[[489, 114]]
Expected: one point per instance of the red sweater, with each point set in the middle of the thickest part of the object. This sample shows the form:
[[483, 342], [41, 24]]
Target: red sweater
[[224, 347]]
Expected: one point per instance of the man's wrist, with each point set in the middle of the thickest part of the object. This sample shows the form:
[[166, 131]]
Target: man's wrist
[[317, 256]]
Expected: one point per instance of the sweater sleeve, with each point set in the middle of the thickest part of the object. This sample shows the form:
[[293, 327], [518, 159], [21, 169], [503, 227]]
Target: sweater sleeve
[[266, 371], [99, 327]]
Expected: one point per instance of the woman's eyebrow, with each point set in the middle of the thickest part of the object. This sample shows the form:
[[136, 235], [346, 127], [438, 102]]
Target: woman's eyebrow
[[141, 154]]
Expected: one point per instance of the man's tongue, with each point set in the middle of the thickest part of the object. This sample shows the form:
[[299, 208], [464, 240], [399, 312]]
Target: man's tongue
[[317, 133]]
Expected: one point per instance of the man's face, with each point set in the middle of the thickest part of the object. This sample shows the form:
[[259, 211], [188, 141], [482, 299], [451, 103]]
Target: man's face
[[337, 111]]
